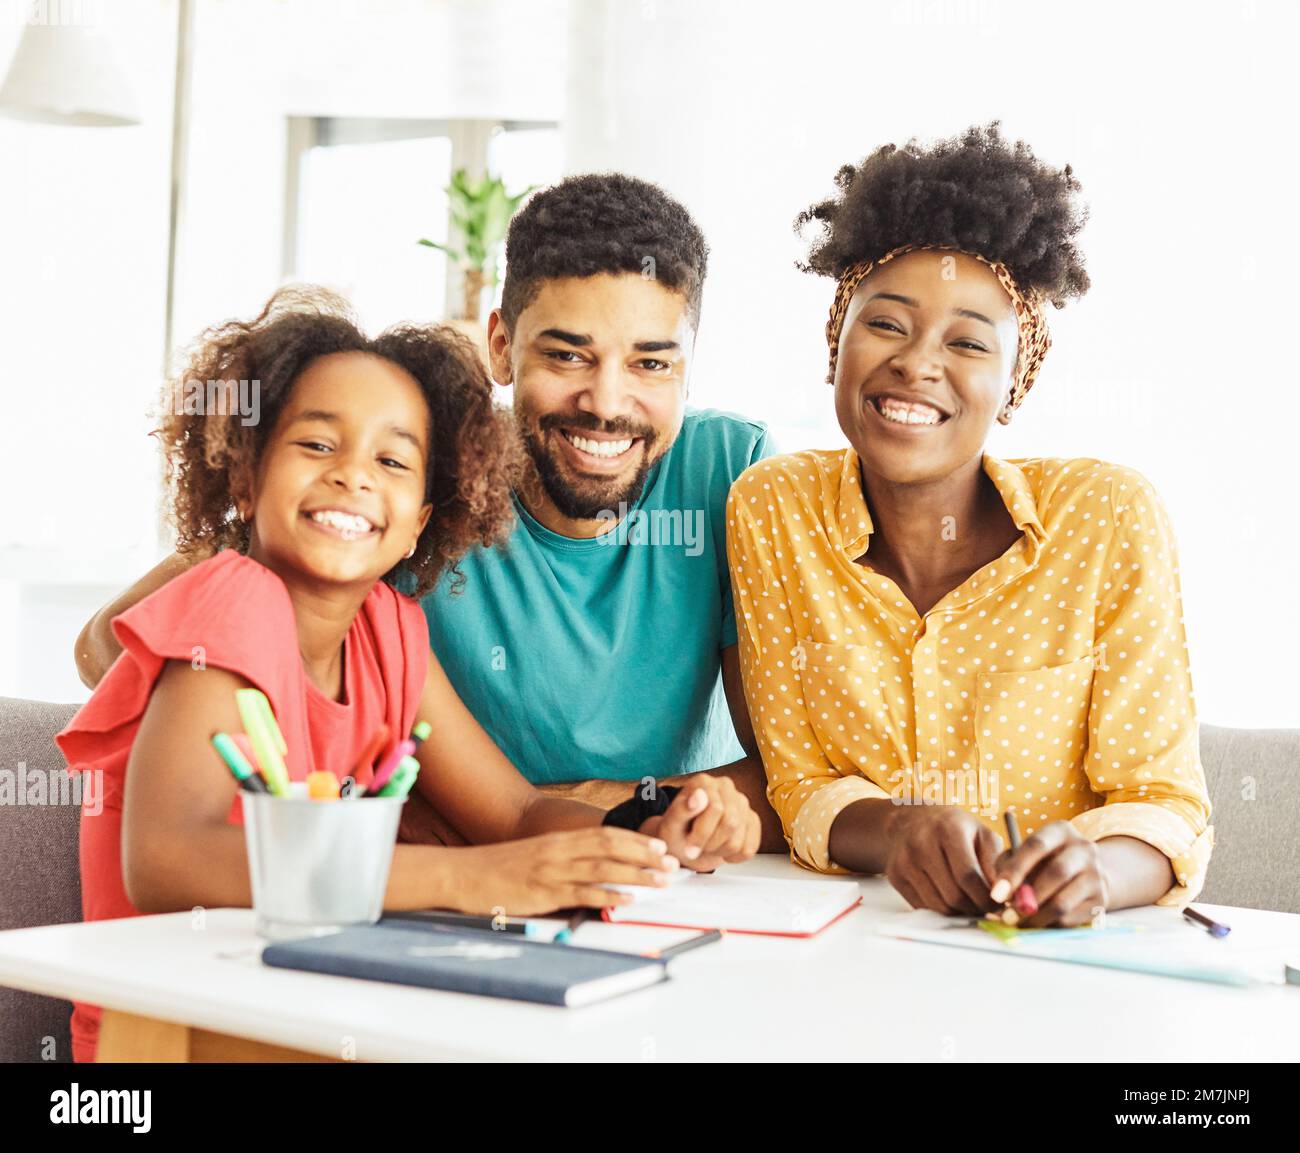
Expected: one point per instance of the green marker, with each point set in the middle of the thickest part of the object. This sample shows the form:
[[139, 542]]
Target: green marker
[[247, 776], [264, 733], [399, 784]]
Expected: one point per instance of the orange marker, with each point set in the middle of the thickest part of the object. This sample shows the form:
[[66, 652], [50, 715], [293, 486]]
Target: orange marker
[[322, 786]]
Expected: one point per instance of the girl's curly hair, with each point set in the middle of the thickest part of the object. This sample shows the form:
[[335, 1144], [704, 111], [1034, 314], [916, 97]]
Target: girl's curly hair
[[976, 192], [212, 456]]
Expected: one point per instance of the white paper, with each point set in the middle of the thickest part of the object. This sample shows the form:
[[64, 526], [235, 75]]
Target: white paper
[[740, 904]]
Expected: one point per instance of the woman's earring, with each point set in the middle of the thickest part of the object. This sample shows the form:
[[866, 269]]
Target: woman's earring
[[411, 552]]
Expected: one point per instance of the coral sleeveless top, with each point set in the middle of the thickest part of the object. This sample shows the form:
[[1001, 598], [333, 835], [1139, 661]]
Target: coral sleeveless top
[[232, 613]]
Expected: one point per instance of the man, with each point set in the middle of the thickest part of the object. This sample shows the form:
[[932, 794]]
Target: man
[[598, 646]]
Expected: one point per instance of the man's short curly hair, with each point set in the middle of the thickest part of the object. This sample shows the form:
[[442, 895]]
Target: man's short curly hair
[[602, 223], [212, 456], [976, 192]]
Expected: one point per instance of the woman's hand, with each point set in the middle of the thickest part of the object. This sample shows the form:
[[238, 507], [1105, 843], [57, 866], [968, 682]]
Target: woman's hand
[[559, 871], [1065, 871], [708, 824], [943, 859]]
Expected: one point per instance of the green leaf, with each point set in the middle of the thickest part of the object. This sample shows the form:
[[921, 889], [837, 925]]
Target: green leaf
[[442, 248], [481, 212], [459, 182]]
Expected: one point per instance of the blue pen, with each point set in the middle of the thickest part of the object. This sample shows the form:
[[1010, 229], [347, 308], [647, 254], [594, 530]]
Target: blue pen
[[1214, 928]]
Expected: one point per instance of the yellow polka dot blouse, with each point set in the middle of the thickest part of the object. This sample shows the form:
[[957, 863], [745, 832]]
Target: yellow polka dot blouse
[[1053, 681]]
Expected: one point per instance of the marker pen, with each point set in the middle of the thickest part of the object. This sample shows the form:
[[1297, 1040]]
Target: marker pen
[[247, 776]]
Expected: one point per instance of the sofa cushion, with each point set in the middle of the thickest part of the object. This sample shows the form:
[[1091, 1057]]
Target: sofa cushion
[[1254, 780], [38, 861]]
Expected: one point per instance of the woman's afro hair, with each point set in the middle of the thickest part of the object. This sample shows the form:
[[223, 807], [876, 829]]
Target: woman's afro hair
[[976, 192]]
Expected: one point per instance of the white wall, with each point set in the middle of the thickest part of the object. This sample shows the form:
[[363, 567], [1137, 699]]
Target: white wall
[[83, 251], [1179, 120], [258, 63]]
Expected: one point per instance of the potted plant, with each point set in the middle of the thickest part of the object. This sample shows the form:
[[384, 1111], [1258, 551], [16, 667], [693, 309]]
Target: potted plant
[[480, 212]]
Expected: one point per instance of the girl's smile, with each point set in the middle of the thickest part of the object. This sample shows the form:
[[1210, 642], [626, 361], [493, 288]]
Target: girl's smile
[[342, 523]]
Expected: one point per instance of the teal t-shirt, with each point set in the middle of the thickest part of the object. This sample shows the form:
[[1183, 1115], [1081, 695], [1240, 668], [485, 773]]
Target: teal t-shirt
[[601, 658]]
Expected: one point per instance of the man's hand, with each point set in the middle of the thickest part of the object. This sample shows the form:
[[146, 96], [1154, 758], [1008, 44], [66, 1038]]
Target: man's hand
[[97, 647], [708, 824]]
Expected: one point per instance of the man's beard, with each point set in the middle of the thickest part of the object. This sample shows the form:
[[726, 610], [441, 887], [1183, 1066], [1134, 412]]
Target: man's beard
[[585, 498]]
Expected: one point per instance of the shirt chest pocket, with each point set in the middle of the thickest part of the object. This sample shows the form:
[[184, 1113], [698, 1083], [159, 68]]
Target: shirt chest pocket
[[1033, 720], [844, 698]]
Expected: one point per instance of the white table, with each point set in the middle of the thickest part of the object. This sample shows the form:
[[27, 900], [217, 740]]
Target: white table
[[172, 991]]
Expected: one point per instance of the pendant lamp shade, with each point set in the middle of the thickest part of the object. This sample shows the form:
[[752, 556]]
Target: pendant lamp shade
[[65, 74]]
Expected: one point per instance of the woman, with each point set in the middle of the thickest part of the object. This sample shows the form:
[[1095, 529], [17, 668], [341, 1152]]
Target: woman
[[932, 636]]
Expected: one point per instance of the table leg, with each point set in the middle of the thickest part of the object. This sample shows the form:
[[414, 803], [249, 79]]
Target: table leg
[[127, 1037]]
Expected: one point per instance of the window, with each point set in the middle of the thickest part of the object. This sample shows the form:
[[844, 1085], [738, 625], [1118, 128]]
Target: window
[[361, 193], [362, 210]]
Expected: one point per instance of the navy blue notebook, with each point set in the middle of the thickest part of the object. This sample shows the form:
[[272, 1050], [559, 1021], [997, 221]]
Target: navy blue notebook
[[471, 961]]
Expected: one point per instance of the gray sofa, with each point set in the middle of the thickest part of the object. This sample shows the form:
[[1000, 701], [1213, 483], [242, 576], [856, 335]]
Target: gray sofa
[[1253, 777], [42, 883]]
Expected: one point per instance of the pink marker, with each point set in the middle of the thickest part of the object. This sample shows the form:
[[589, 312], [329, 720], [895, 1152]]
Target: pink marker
[[388, 766]]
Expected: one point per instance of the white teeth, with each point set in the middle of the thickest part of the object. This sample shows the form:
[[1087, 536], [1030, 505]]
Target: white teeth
[[352, 527], [599, 447], [901, 413]]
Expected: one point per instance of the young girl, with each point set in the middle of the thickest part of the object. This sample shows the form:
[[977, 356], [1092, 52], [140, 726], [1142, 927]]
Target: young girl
[[362, 464]]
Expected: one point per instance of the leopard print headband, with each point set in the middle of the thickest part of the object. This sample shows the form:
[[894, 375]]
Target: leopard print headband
[[1031, 320]]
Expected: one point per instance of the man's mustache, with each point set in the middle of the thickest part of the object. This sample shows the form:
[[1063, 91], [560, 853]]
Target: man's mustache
[[585, 422]]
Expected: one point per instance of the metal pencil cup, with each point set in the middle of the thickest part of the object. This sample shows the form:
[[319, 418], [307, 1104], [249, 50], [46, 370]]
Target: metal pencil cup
[[317, 866]]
